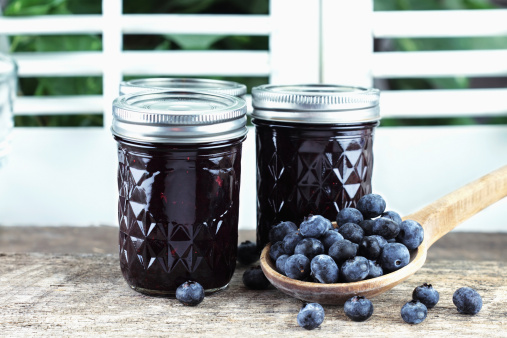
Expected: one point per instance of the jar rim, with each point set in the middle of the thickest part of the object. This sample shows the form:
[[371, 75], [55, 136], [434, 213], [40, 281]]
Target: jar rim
[[316, 103], [178, 116]]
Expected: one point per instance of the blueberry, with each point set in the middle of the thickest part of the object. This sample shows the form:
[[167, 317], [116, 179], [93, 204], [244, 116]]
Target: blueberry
[[369, 247], [352, 232], [280, 263], [367, 226], [467, 301], [386, 228], [355, 269], [254, 279], [247, 253], [310, 316], [411, 234], [342, 250], [297, 266], [381, 240], [314, 226], [279, 231], [358, 308], [310, 247], [349, 215], [329, 238], [371, 205], [276, 250], [290, 241], [375, 270], [414, 312], [324, 269], [190, 293], [392, 215], [394, 256], [426, 294]]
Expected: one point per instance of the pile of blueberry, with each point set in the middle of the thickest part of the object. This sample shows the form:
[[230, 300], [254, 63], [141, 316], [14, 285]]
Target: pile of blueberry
[[367, 243]]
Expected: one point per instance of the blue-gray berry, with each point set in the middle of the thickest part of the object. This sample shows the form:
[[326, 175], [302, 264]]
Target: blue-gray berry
[[324, 269], [279, 231], [310, 316], [310, 247], [254, 279], [352, 232], [386, 228], [394, 256], [190, 293], [349, 215], [393, 215], [297, 266], [411, 234], [467, 301], [414, 312], [290, 241], [329, 238], [375, 270], [276, 250], [280, 263], [355, 269], [314, 226], [247, 253], [426, 294], [358, 308], [371, 205], [342, 250]]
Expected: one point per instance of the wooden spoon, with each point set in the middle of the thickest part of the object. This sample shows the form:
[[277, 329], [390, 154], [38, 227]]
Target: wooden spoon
[[437, 219]]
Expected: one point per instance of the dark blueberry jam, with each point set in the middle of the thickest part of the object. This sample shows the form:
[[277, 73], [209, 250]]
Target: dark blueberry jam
[[307, 169], [178, 214]]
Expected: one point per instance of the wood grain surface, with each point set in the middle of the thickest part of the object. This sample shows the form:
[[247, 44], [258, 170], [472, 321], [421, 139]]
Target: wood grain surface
[[85, 295]]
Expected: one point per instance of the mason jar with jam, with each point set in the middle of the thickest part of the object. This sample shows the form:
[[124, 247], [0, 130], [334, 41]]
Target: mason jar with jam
[[313, 150], [179, 156]]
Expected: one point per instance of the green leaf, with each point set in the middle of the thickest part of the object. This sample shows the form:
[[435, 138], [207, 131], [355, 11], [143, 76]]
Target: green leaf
[[194, 42]]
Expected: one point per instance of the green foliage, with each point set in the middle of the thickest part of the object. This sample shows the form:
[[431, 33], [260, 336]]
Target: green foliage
[[93, 85]]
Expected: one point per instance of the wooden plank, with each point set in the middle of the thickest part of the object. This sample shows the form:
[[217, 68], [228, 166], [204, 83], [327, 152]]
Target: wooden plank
[[86, 295], [414, 24], [470, 246]]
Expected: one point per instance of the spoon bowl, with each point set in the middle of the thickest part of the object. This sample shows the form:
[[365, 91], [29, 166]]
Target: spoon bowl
[[437, 219]]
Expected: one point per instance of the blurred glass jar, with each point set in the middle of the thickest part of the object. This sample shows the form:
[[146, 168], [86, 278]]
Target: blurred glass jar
[[8, 88], [155, 84]]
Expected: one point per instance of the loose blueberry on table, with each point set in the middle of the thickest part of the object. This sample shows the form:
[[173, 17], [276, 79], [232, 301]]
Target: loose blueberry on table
[[414, 312], [310, 316], [247, 253], [467, 301], [190, 293], [358, 308], [426, 294], [255, 279]]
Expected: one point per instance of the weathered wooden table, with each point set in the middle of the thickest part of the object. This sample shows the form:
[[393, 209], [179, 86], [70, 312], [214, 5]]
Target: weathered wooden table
[[49, 294]]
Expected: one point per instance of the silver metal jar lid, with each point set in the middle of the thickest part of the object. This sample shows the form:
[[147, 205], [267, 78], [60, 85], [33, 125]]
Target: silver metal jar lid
[[156, 84], [316, 103], [176, 116]]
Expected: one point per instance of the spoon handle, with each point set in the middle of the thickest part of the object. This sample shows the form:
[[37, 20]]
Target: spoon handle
[[443, 215]]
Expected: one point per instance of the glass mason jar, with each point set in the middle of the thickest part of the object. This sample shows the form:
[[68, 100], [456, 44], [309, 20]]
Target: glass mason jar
[[314, 150], [8, 87], [179, 171], [164, 83]]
